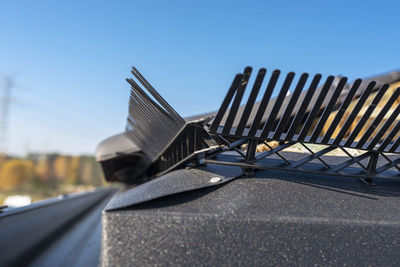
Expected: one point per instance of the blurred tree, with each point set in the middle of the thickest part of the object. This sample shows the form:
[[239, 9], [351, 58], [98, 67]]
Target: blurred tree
[[73, 171], [60, 167], [14, 173], [86, 172], [43, 170]]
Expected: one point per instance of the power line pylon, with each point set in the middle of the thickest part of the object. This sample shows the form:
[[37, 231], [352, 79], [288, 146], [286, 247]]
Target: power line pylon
[[4, 111]]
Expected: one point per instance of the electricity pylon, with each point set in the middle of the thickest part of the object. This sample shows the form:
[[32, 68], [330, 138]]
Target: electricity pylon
[[4, 111]]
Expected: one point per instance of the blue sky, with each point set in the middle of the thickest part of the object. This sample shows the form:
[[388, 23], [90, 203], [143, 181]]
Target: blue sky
[[71, 58]]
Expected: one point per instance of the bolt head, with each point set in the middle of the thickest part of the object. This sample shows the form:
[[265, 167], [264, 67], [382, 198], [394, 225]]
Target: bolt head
[[215, 180]]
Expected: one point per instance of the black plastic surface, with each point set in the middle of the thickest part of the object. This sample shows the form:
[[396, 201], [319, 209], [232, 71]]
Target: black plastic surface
[[276, 218]]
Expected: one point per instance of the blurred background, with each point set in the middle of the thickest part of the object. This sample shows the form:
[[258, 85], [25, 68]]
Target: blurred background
[[63, 66]]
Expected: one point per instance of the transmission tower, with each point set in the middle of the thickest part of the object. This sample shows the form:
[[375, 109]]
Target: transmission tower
[[4, 108]]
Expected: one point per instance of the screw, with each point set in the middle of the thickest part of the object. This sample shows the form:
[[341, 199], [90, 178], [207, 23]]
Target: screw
[[215, 180]]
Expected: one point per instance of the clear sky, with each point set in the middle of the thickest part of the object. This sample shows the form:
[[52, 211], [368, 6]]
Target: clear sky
[[71, 58]]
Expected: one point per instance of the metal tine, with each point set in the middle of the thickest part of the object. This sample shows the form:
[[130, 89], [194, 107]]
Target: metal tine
[[225, 103], [140, 136], [185, 144], [140, 132], [144, 120], [390, 136], [314, 112], [192, 136], [236, 101], [384, 128], [395, 145], [250, 102], [138, 102], [154, 93], [264, 103], [278, 104], [285, 119], [306, 101], [150, 110], [366, 115], [378, 118], [138, 111], [342, 110], [179, 151], [148, 113], [144, 95], [354, 113], [145, 112], [328, 109]]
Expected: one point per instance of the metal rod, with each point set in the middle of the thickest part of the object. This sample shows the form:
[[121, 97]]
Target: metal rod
[[314, 112], [225, 103], [236, 101], [341, 111], [250, 102], [264, 103], [306, 102], [328, 109], [366, 115], [354, 113], [378, 119], [278, 105], [285, 119]]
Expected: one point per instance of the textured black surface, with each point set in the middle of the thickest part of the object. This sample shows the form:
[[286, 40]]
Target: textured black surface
[[275, 218], [174, 182]]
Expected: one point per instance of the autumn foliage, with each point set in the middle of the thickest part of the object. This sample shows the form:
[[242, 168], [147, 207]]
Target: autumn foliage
[[48, 170]]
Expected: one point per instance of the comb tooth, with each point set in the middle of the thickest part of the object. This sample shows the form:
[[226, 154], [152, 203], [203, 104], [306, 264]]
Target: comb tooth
[[264, 103], [313, 114], [225, 103], [289, 108], [137, 109], [341, 111], [146, 98], [250, 102], [395, 145], [236, 101], [147, 116], [191, 142], [390, 137], [366, 115], [155, 94], [378, 119], [278, 104], [306, 101], [150, 110], [145, 112], [184, 145], [138, 104], [354, 113], [384, 128], [328, 109]]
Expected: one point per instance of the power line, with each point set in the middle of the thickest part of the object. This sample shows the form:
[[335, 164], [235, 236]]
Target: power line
[[4, 111]]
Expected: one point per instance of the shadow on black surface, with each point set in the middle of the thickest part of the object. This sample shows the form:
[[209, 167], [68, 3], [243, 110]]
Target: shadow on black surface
[[345, 185]]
